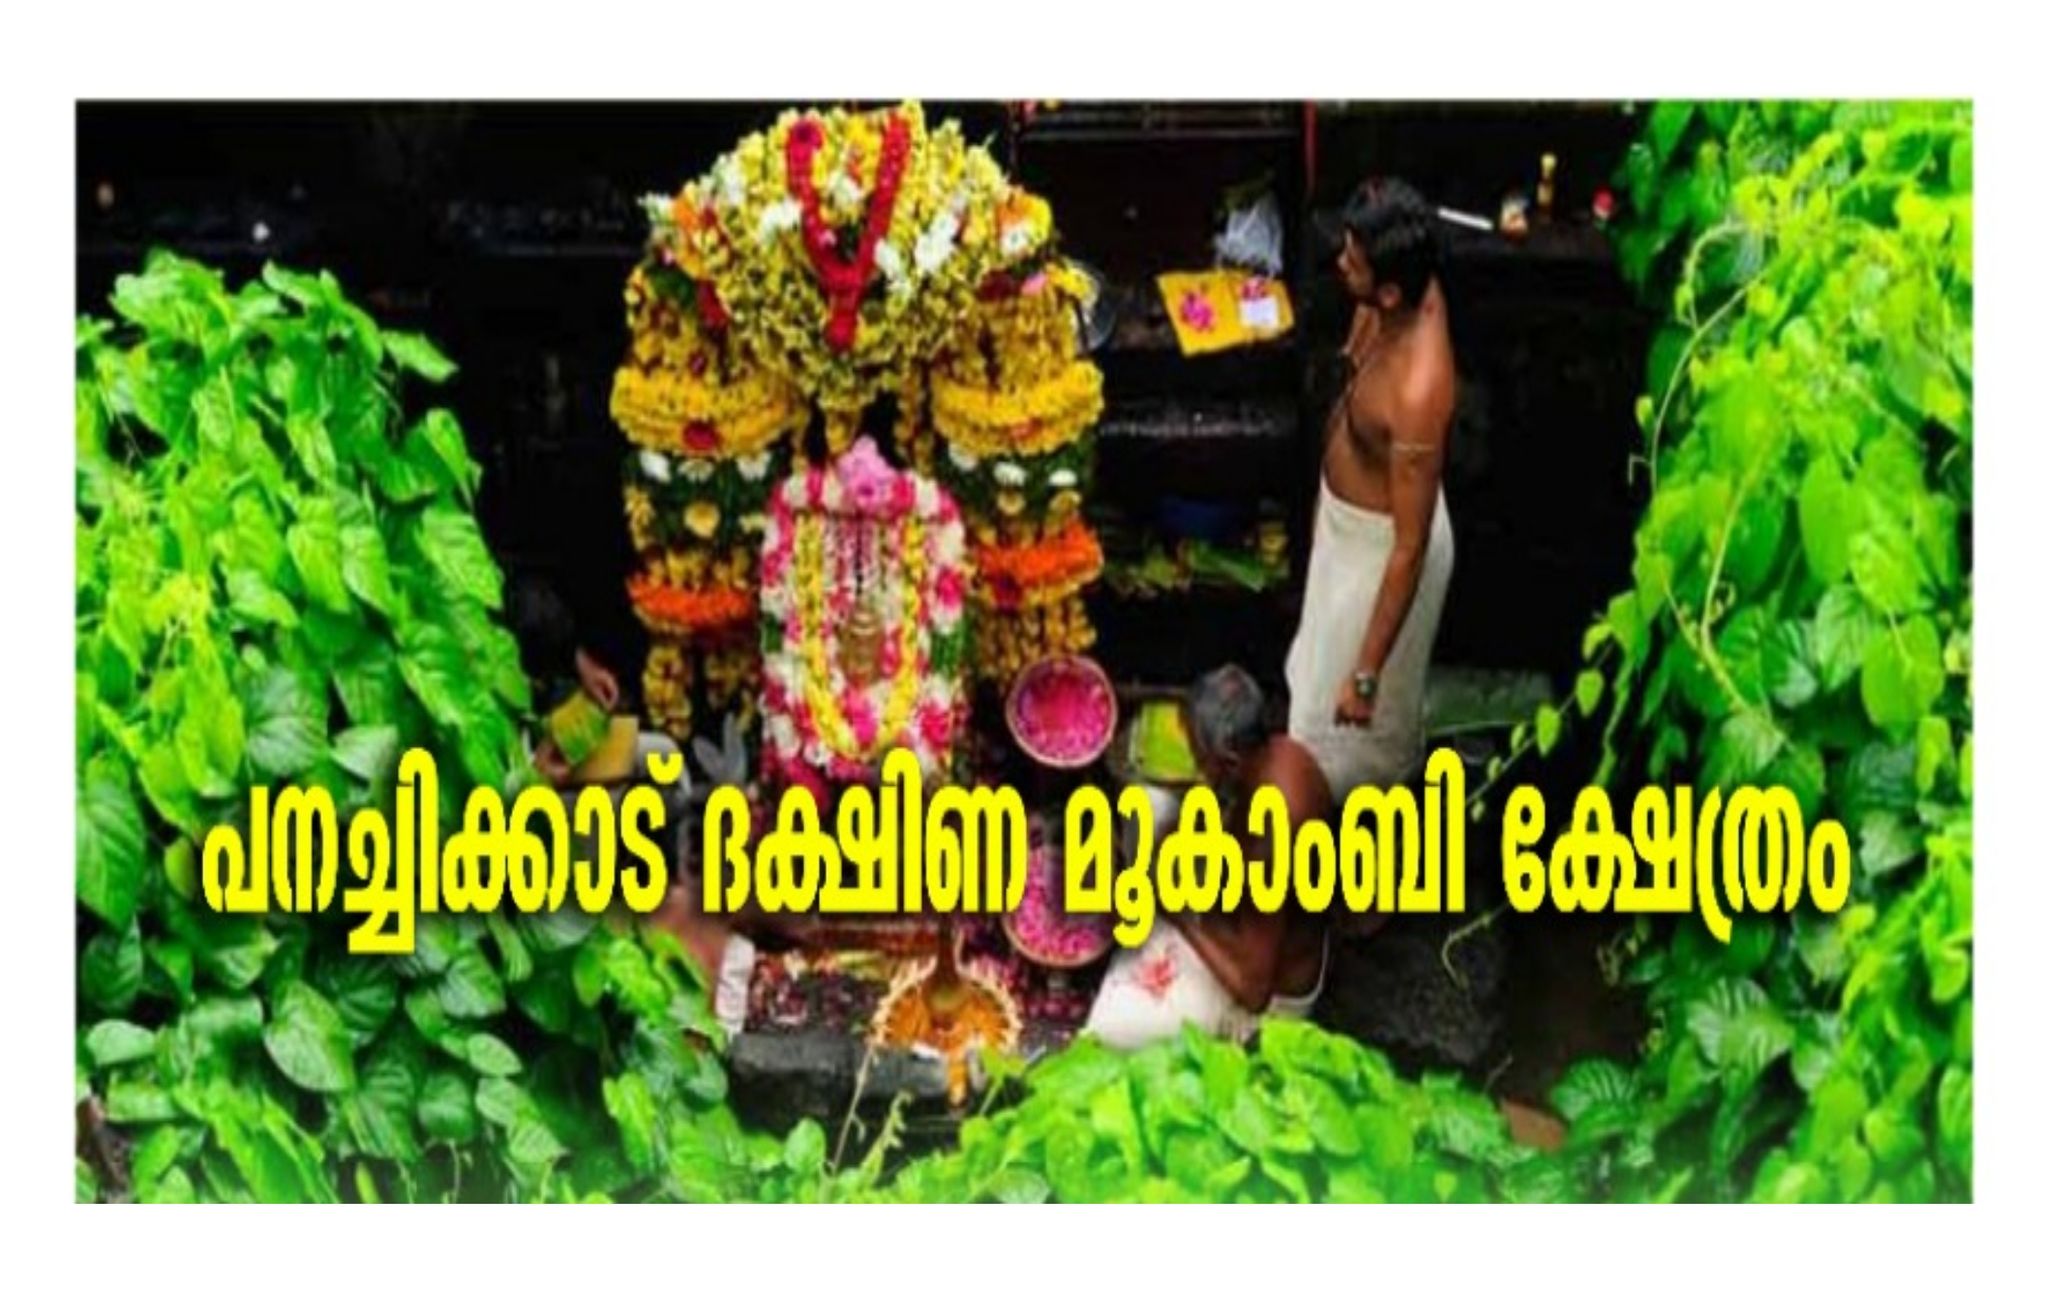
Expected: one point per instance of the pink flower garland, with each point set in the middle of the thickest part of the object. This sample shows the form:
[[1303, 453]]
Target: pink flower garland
[[861, 486]]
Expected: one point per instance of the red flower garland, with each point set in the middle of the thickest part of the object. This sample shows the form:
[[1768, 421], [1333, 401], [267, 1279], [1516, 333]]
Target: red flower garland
[[845, 280]]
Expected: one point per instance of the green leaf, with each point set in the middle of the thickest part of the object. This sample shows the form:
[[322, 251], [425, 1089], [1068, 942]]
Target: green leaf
[[530, 1144], [1588, 690], [1842, 626], [1329, 1118], [1739, 1029], [1786, 673], [369, 687], [631, 1104], [370, 752], [254, 597], [1948, 971], [309, 1041], [110, 970], [315, 545], [1884, 843], [489, 1054], [1020, 1186], [1801, 770], [380, 1114], [399, 477], [1933, 752], [364, 991], [1953, 1114], [558, 929], [289, 730], [452, 544], [364, 565], [157, 1153], [442, 435], [1902, 674], [446, 1109], [501, 1101], [225, 1023], [803, 1153], [1549, 724], [1668, 121], [1742, 645], [471, 989], [162, 775], [434, 669], [1877, 777], [312, 446], [1886, 566], [1744, 746], [1893, 1136], [417, 354], [1595, 1087], [138, 1100], [211, 739], [118, 1042], [1830, 514], [110, 860], [234, 951], [1387, 1137]]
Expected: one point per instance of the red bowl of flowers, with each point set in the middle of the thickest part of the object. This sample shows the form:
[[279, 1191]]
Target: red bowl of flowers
[[1062, 711], [1041, 930]]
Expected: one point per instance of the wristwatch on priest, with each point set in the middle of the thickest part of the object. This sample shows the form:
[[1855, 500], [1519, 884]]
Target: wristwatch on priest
[[1365, 684]]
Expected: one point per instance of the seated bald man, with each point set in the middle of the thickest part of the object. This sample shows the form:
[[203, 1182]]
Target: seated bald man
[[1224, 972]]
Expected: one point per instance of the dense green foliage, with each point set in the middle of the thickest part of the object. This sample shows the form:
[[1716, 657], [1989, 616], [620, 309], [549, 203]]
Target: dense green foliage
[[1305, 1115], [277, 576], [1801, 615]]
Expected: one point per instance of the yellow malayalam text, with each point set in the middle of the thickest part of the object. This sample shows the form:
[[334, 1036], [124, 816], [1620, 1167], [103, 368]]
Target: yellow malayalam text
[[890, 850], [1389, 853], [290, 861], [963, 852], [1752, 854]]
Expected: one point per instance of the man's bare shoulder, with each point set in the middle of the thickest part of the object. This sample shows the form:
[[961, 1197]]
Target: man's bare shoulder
[[1419, 404]]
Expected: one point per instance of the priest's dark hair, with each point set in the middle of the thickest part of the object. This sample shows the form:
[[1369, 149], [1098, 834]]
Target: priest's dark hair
[[1399, 235]]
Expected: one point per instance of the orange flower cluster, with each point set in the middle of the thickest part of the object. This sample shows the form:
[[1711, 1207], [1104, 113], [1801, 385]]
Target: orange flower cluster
[[1028, 574], [671, 610]]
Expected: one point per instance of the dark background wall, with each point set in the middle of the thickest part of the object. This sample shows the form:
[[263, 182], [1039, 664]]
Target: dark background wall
[[506, 231]]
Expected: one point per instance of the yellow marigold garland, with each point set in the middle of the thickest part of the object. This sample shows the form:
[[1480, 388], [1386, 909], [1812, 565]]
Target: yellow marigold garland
[[668, 412], [1022, 421], [665, 685]]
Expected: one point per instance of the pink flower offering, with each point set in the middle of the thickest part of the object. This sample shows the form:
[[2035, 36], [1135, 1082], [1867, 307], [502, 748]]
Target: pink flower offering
[[1040, 927], [869, 482], [1062, 712], [1196, 311]]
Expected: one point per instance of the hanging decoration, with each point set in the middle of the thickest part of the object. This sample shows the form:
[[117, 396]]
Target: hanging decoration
[[708, 430], [1015, 404], [832, 266]]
